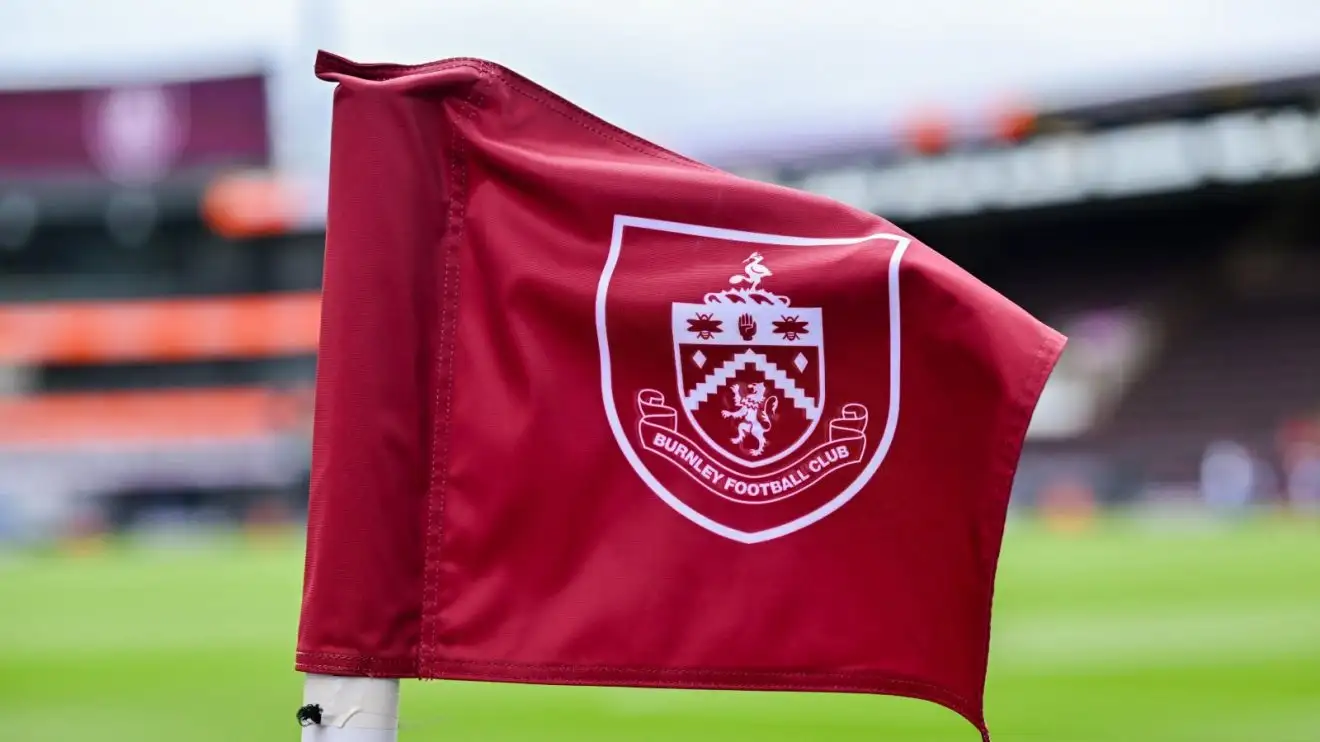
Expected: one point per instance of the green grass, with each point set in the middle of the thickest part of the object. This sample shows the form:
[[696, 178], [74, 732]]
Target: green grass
[[1128, 634]]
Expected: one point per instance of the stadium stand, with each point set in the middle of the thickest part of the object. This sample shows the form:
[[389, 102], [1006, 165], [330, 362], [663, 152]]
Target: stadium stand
[[158, 314], [1174, 238], [152, 360]]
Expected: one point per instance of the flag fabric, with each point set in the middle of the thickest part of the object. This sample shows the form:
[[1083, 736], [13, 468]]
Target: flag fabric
[[591, 412]]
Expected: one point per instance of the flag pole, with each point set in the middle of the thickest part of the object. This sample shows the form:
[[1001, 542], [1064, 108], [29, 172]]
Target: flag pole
[[344, 709], [335, 709]]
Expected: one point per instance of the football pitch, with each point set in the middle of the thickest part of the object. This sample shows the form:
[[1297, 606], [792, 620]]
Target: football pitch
[[1129, 632]]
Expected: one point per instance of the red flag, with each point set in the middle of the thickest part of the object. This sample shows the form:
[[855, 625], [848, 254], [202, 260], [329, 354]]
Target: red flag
[[590, 412]]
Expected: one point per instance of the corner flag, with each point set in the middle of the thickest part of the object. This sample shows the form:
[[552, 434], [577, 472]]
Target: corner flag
[[591, 412]]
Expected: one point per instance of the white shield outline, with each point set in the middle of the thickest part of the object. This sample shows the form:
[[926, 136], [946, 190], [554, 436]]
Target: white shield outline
[[623, 222], [719, 447]]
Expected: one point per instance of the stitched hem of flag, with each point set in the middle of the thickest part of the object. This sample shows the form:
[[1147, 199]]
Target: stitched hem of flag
[[1014, 436], [704, 679], [644, 677], [356, 665]]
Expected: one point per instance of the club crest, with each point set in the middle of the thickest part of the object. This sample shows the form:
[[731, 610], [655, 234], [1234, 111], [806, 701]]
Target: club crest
[[741, 428]]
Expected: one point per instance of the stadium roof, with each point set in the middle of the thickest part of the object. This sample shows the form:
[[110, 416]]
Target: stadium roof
[[703, 77], [727, 85]]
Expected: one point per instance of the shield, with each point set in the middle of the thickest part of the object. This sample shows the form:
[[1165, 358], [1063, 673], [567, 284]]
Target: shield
[[750, 373], [719, 384]]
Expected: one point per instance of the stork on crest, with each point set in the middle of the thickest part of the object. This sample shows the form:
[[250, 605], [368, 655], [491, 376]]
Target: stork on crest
[[754, 272]]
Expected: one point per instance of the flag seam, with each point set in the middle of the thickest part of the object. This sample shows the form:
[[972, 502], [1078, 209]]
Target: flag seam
[[590, 121], [485, 69], [712, 679], [450, 256], [1013, 434]]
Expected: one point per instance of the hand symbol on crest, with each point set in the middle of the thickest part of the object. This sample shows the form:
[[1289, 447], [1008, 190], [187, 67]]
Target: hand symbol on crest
[[747, 327]]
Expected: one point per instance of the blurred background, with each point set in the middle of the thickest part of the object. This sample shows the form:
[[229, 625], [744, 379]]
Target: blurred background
[[1143, 176]]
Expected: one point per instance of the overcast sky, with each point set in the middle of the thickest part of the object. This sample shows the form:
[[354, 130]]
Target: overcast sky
[[699, 75]]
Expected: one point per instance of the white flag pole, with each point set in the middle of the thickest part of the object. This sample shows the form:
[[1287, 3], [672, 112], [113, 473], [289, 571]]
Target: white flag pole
[[344, 709], [335, 709]]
